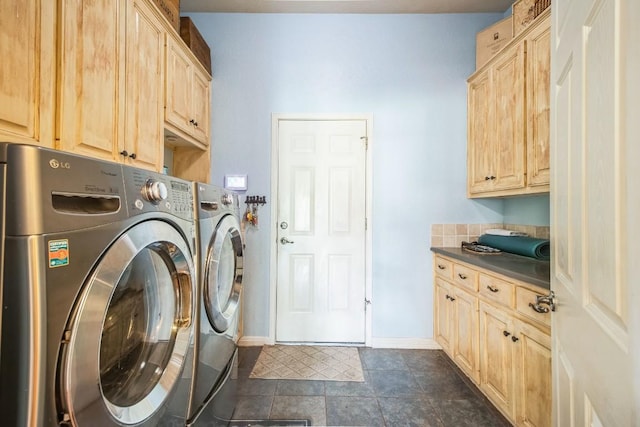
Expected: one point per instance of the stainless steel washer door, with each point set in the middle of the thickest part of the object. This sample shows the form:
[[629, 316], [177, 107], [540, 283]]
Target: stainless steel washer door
[[223, 274], [131, 328]]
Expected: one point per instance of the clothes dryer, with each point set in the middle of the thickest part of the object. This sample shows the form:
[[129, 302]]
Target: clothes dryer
[[219, 265], [98, 292]]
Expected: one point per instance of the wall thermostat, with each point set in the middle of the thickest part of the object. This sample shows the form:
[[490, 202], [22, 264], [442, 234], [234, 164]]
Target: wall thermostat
[[235, 182]]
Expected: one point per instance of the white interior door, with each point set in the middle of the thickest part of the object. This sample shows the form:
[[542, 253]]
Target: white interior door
[[320, 286], [595, 193]]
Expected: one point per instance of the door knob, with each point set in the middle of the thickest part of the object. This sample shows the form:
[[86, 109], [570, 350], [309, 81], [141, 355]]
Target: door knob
[[284, 241]]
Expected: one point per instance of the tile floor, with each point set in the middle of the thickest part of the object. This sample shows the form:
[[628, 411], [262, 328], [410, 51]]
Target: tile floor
[[401, 388]]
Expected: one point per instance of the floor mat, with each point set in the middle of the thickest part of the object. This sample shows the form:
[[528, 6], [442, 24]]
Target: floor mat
[[308, 363]]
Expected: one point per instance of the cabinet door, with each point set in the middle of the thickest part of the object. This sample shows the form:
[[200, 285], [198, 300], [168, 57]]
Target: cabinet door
[[144, 112], [465, 347], [201, 101], [179, 88], [508, 138], [497, 358], [443, 319], [533, 377], [91, 84], [479, 134], [538, 87], [27, 91]]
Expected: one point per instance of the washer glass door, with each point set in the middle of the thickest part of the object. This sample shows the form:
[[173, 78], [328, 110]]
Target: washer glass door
[[223, 274], [132, 327]]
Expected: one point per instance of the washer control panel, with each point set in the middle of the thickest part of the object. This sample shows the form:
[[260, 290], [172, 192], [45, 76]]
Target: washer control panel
[[149, 191]]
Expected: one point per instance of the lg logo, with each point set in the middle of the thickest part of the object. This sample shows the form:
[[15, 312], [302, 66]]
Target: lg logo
[[55, 164]]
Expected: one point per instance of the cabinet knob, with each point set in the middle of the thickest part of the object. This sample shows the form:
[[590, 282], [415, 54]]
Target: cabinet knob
[[133, 156], [514, 339], [193, 122], [506, 333], [124, 153]]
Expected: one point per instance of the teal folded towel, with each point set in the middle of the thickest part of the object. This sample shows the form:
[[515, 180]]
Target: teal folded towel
[[526, 246]]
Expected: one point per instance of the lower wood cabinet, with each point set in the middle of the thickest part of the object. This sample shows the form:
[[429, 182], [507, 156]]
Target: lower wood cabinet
[[496, 338]]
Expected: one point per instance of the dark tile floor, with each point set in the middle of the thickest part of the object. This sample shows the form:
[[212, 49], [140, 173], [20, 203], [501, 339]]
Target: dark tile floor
[[401, 388]]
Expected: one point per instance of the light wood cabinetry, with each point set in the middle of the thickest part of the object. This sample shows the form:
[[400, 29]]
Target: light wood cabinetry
[[538, 85], [508, 118], [496, 338], [91, 82], [145, 64], [498, 357], [27, 71], [95, 83], [186, 103]]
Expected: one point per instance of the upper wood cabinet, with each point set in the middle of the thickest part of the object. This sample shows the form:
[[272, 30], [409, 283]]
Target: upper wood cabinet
[[508, 118], [91, 59], [187, 100], [538, 76], [27, 71], [144, 87], [90, 78]]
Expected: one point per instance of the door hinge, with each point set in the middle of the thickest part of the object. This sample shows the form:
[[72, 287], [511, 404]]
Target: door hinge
[[365, 139], [366, 303]]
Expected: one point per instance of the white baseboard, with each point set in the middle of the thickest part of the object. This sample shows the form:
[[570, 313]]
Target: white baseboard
[[254, 341], [403, 343], [408, 343]]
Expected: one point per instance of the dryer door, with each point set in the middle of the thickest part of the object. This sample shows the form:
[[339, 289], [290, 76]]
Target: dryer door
[[130, 330], [223, 274]]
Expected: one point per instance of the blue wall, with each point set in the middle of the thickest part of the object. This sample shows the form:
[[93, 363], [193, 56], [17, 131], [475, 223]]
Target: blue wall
[[530, 210], [409, 72]]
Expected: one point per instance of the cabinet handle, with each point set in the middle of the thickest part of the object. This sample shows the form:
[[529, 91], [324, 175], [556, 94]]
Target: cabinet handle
[[441, 267], [133, 156], [514, 338], [506, 333], [124, 153], [492, 289], [462, 276]]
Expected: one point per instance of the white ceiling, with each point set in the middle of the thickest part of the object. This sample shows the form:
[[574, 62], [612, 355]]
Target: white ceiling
[[345, 6]]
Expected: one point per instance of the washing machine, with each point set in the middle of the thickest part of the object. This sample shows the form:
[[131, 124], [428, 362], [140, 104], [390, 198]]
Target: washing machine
[[219, 265], [98, 292]]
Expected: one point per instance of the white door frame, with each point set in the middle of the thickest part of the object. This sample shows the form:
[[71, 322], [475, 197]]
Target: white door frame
[[275, 121]]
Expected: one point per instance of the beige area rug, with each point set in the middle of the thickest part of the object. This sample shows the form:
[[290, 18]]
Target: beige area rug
[[308, 363]]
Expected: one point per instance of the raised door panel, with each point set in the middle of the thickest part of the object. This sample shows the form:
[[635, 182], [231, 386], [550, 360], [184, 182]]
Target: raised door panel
[[497, 358], [443, 315], [509, 137], [479, 134], [538, 101], [465, 348], [91, 84], [201, 101], [533, 377], [179, 87], [144, 113], [27, 48]]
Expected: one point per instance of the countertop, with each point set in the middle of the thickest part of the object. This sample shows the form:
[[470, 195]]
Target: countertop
[[529, 270]]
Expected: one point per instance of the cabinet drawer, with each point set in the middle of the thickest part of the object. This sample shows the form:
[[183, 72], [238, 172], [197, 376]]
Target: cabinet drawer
[[465, 276], [443, 268], [497, 290], [524, 297]]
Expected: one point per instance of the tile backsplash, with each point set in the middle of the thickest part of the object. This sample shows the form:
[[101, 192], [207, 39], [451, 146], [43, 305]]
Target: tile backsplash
[[452, 235]]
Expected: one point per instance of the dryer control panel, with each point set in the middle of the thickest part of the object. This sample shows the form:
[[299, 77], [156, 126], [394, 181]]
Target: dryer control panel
[[149, 191]]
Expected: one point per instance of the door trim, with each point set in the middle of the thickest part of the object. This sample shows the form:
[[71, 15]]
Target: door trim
[[275, 121]]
